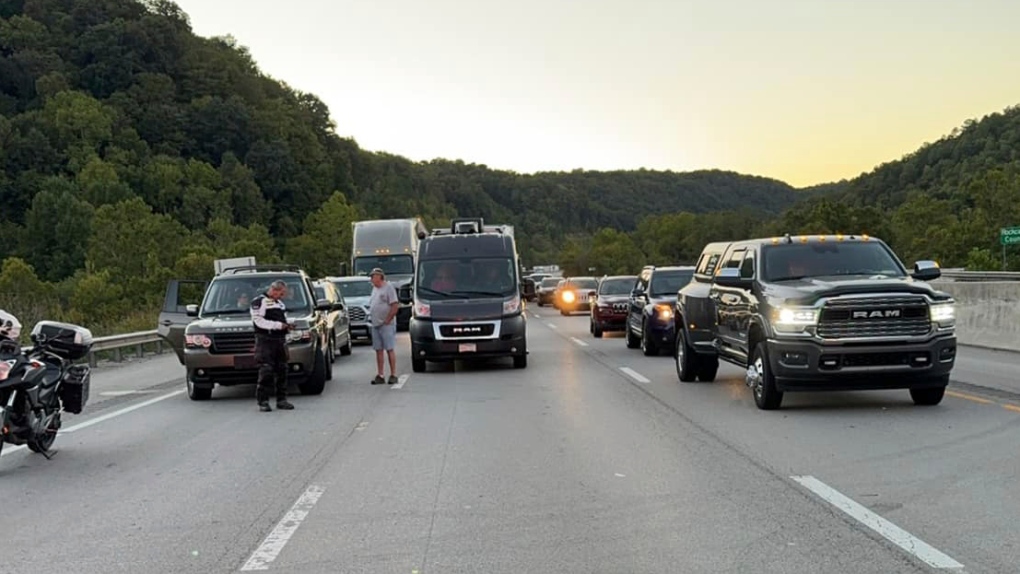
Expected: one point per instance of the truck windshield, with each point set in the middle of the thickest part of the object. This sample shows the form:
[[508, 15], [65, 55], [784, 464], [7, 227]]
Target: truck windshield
[[797, 261], [390, 264], [668, 282], [354, 288], [233, 295], [440, 279]]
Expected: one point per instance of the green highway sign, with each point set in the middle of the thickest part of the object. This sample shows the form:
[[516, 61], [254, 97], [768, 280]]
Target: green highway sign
[[1009, 236]]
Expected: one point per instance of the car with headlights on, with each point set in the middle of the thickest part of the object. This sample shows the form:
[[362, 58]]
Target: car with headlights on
[[650, 307], [574, 294]]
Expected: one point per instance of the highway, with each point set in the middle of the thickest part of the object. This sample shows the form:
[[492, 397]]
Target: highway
[[593, 459]]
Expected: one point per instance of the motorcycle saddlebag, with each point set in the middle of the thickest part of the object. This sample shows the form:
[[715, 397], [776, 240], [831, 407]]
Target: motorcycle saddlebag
[[74, 390]]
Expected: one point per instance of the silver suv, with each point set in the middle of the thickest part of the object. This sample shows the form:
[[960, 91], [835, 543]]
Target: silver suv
[[356, 291], [215, 340]]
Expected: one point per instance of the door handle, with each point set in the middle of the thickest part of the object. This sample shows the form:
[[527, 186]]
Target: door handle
[[167, 322]]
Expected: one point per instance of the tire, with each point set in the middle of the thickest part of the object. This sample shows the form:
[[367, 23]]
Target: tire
[[47, 441], [418, 365], [761, 380], [520, 361], [707, 369], [198, 393], [633, 342], [316, 382], [346, 349], [596, 331], [688, 364], [927, 397], [649, 348], [332, 349]]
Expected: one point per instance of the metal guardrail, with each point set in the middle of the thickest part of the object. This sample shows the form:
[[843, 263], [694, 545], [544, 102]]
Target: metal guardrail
[[960, 275], [117, 344]]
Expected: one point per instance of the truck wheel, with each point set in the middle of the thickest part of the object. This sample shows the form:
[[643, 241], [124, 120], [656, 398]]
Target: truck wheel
[[763, 384], [929, 396], [316, 382], [687, 363], [707, 368]]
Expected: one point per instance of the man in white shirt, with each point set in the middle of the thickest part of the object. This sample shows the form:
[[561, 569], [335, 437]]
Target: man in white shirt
[[382, 310]]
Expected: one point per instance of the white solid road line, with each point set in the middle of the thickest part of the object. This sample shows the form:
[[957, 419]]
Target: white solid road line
[[634, 375], [99, 419], [579, 342], [284, 530], [887, 529], [400, 381]]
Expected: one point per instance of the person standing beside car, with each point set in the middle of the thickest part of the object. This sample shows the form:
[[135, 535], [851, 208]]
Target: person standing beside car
[[382, 310], [268, 314]]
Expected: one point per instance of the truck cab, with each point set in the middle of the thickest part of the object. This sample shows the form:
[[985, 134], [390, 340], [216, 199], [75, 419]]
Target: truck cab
[[467, 296]]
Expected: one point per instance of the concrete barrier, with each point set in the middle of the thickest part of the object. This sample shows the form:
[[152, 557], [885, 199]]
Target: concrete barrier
[[987, 312]]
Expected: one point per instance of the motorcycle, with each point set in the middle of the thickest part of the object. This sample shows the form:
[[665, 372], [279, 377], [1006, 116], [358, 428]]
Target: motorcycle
[[34, 385]]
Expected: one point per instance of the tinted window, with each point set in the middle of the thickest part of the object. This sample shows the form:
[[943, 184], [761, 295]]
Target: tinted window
[[354, 288], [794, 261], [320, 293], [669, 282], [468, 277], [583, 284], [617, 286], [550, 282], [708, 262]]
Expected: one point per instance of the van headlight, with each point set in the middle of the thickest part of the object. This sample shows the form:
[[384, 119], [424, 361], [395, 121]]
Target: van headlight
[[944, 314], [793, 319], [512, 305]]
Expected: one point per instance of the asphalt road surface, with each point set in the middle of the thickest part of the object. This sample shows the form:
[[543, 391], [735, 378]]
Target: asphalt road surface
[[593, 459]]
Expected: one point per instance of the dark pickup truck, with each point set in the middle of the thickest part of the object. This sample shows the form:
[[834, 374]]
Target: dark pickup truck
[[811, 313]]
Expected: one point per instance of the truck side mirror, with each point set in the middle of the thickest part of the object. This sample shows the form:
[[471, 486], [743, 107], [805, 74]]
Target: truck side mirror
[[730, 277], [191, 310], [926, 271], [404, 294]]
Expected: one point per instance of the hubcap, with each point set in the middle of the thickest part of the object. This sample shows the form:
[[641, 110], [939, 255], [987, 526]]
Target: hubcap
[[679, 354], [755, 377]]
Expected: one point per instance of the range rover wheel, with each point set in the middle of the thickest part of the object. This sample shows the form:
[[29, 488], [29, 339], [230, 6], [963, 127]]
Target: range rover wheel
[[316, 381], [763, 384], [198, 393], [687, 363]]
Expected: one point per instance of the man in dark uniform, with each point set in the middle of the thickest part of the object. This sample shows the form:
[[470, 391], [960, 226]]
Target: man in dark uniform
[[271, 327]]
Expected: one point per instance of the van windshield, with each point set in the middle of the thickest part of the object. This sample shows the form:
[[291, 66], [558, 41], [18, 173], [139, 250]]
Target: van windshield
[[466, 278]]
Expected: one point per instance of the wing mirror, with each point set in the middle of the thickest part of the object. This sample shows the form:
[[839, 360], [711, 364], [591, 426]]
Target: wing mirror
[[926, 270], [404, 294], [323, 305], [191, 310], [730, 277]]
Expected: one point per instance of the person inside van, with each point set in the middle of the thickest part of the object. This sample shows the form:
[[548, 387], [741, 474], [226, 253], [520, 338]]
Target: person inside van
[[444, 278]]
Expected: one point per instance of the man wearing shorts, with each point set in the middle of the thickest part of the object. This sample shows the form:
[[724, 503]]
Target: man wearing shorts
[[382, 309]]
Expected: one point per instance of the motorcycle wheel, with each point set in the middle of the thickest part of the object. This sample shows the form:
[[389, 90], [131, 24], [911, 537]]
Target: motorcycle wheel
[[43, 444]]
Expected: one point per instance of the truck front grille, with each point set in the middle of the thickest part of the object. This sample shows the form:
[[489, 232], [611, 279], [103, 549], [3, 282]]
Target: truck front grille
[[357, 314], [873, 317]]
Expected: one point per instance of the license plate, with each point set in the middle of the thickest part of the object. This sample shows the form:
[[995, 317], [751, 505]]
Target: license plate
[[245, 362], [468, 348]]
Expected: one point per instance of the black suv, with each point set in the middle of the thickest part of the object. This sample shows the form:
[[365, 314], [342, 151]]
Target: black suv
[[650, 307], [816, 313]]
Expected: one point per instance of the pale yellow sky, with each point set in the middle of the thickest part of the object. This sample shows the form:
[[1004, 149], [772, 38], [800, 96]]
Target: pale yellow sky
[[806, 91]]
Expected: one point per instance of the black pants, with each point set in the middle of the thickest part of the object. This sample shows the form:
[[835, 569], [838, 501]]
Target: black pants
[[271, 355]]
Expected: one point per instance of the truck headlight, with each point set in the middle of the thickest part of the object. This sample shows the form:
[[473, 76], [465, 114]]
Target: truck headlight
[[795, 318], [943, 313]]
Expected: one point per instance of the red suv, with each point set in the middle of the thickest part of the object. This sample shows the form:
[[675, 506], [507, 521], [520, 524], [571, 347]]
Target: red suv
[[610, 304]]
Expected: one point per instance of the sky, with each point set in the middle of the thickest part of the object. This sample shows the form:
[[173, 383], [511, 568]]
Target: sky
[[804, 91]]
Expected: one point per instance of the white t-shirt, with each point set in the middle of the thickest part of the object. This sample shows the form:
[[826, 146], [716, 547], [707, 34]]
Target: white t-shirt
[[379, 303]]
